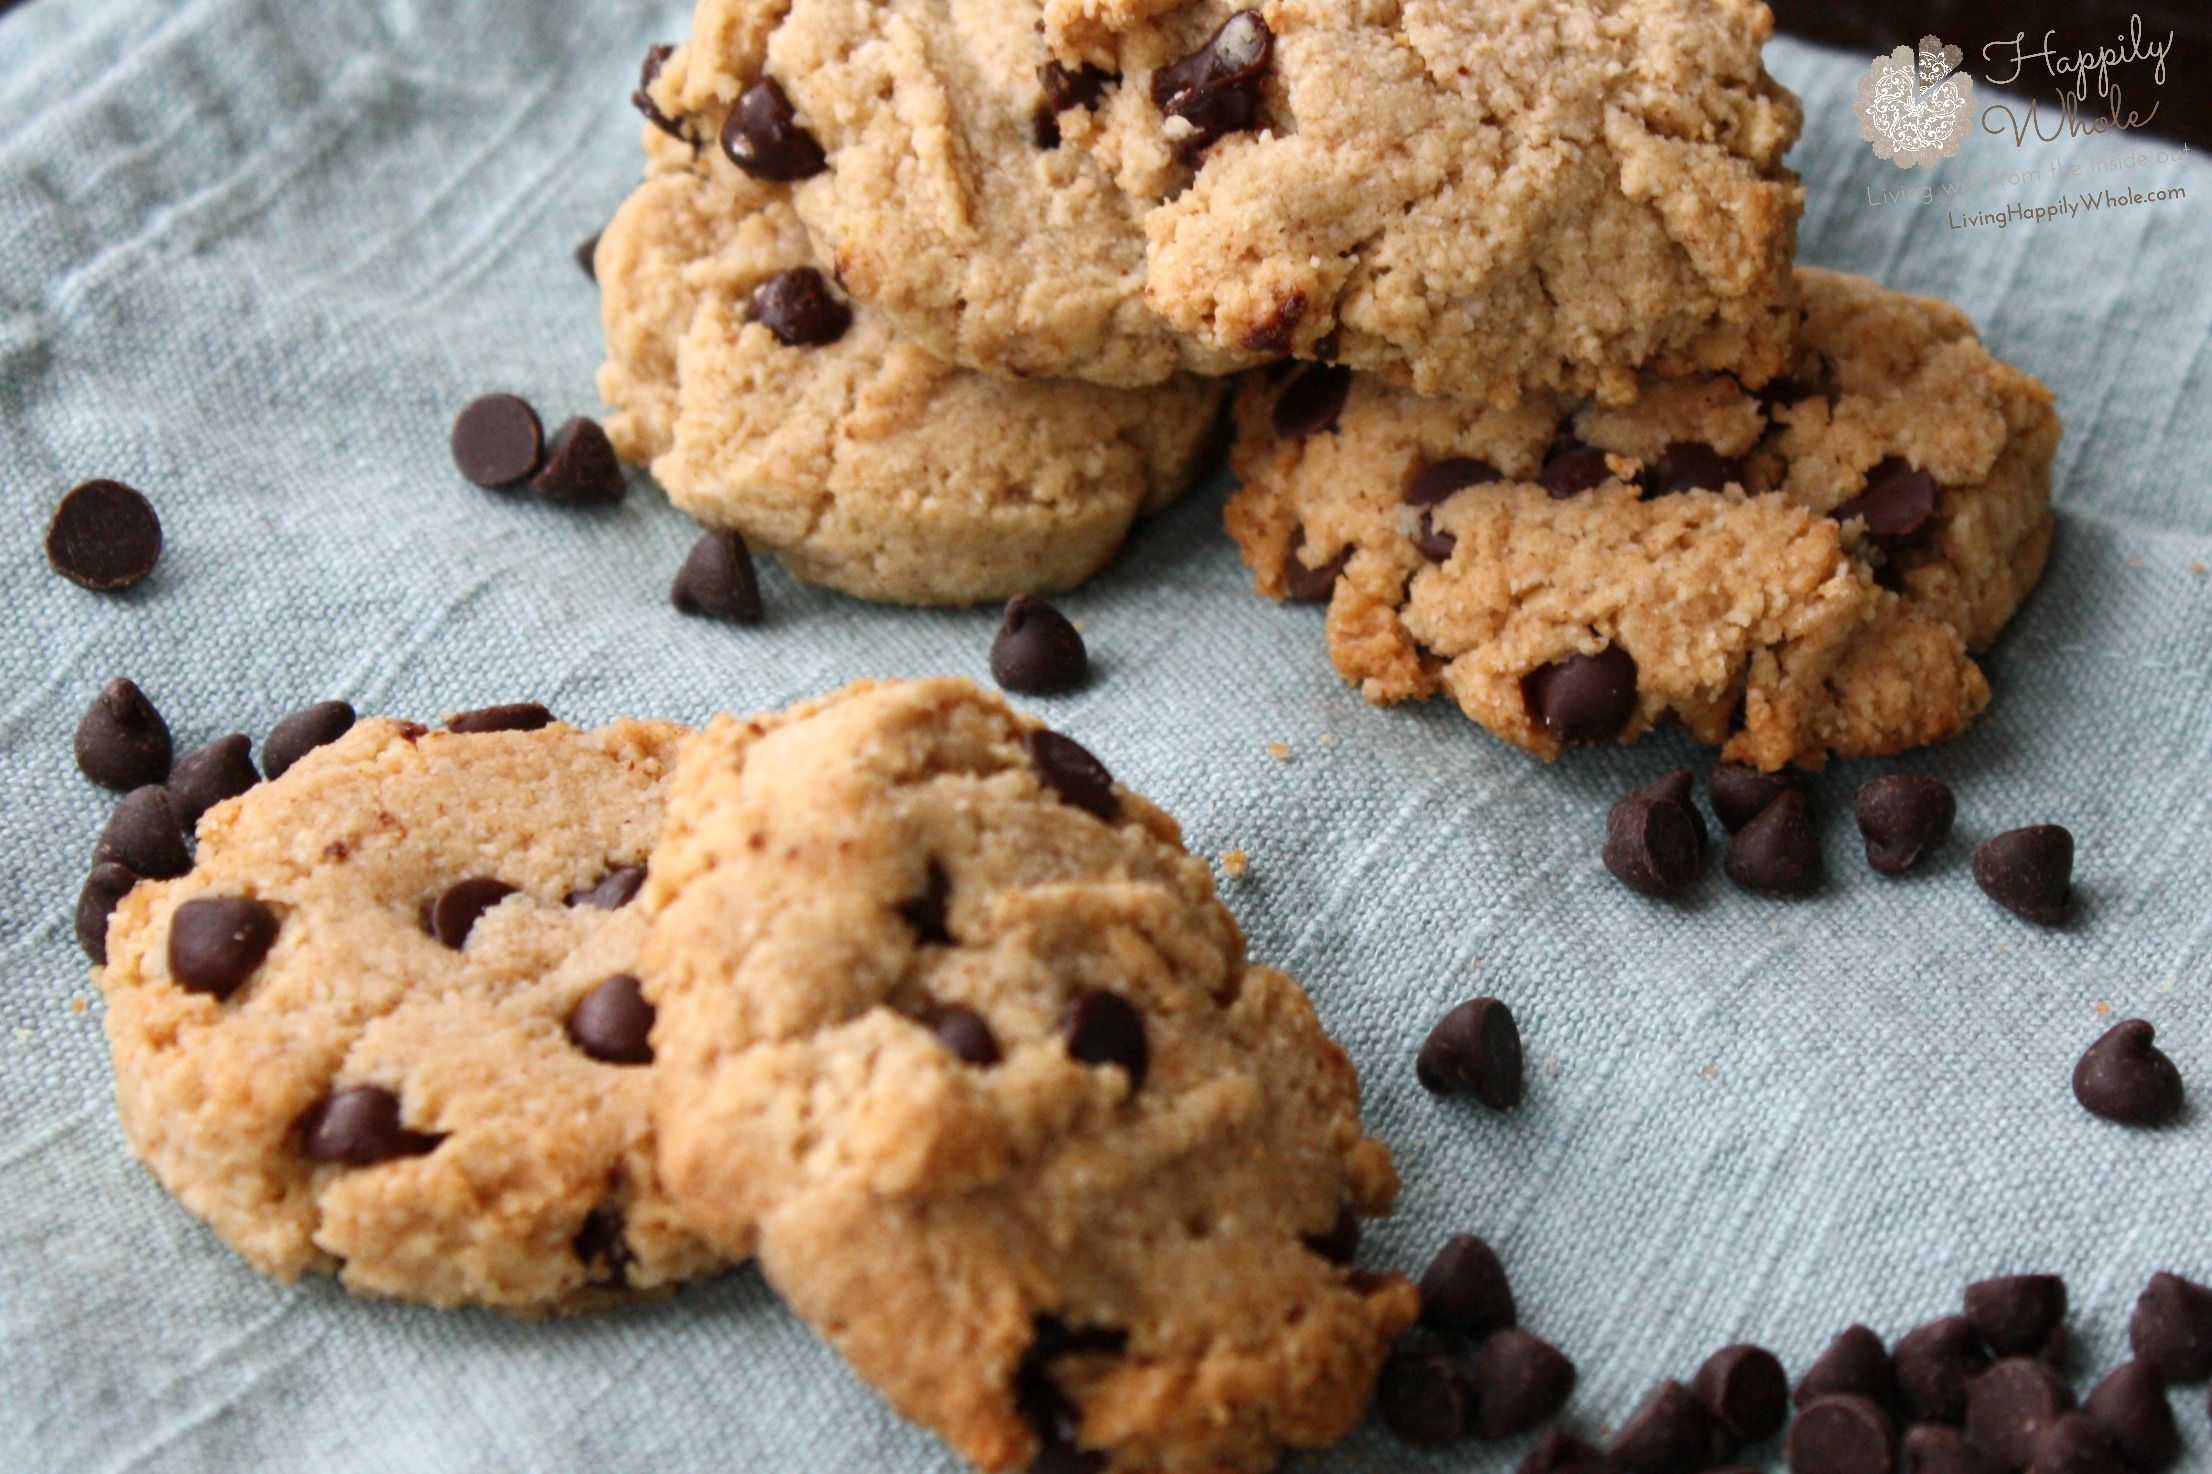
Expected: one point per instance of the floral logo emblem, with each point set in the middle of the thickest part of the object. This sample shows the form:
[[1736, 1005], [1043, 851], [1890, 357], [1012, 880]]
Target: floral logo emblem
[[1916, 108]]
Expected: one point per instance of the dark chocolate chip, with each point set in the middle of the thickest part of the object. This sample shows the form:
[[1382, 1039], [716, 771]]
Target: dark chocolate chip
[[1474, 1050], [301, 733], [1037, 651], [104, 536], [1521, 1382], [642, 99], [1671, 1432], [452, 916], [717, 580], [1930, 1449], [207, 775], [612, 1023], [966, 1035], [514, 716], [1311, 403], [1216, 89], [1934, 1363], [2015, 1314], [1425, 1397], [360, 1126], [1105, 1028], [216, 942], [1274, 332], [926, 912], [1340, 1245], [2124, 1077], [1856, 1363], [1057, 1420], [1560, 1452], [1778, 853], [1583, 698], [1075, 777], [143, 836], [763, 136], [2132, 1407], [587, 256], [1306, 584], [104, 890], [1898, 504], [1464, 1290], [1573, 469], [2009, 1406], [1085, 87], [612, 891], [1044, 128], [2171, 1327], [601, 1248], [498, 441], [1440, 480], [1655, 837], [2076, 1444], [1435, 546], [800, 309], [1740, 795], [1903, 817], [2029, 872], [1688, 465], [580, 467], [1747, 1390], [122, 742], [1842, 1434]]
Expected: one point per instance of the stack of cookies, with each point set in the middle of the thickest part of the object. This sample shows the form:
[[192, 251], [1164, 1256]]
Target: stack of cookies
[[931, 301]]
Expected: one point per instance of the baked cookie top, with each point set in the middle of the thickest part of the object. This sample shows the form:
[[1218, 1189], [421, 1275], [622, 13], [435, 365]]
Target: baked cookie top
[[387, 1026], [1790, 574], [954, 1024]]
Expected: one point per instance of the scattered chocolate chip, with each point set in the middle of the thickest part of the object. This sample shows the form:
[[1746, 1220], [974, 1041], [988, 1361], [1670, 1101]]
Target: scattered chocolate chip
[[1841, 1434], [2076, 1444], [122, 743], [799, 308], [1583, 698], [1308, 585], [1688, 465], [1560, 1452], [2029, 872], [1934, 1363], [1930, 1449], [1747, 1390], [1425, 1397], [612, 891], [966, 1035], [1778, 853], [215, 942], [1898, 504], [642, 99], [1075, 777], [1655, 838], [301, 733], [612, 1023], [2171, 1327], [144, 837], [1105, 1029], [207, 775], [1521, 1382], [1440, 480], [717, 580], [2132, 1407], [1311, 403], [600, 1246], [1474, 1050], [2124, 1077], [360, 1127], [1740, 795], [1573, 469], [1672, 1432], [1464, 1290], [497, 441], [1216, 89], [2009, 1406], [104, 890], [926, 912], [763, 136], [580, 467], [452, 916], [1037, 651], [2015, 1314], [1856, 1363], [105, 536], [1903, 817], [1435, 546], [1340, 1245], [587, 256], [514, 716]]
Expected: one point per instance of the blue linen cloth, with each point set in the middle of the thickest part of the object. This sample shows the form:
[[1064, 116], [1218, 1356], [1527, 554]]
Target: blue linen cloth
[[253, 255]]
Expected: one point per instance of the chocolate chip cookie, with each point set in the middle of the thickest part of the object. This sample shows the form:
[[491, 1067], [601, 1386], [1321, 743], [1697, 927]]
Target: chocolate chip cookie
[[956, 1030]]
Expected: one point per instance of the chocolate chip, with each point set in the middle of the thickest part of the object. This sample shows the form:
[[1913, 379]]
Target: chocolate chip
[[587, 256], [580, 467], [1056, 1420], [1898, 504], [1935, 1450], [600, 1246], [763, 136], [216, 942], [1560, 1452], [1520, 1382], [1307, 585], [2009, 1406], [1688, 465], [1474, 1050], [302, 732], [1583, 698], [1670, 1433], [1085, 87], [1036, 651], [966, 1035], [1340, 1245], [2132, 1407], [497, 441], [144, 837], [1573, 469], [104, 536], [1216, 89], [1747, 1390], [2076, 1444], [2171, 1327], [1856, 1363], [1655, 838], [926, 912], [104, 890], [122, 742], [1274, 332], [1104, 1028], [612, 891], [642, 99], [799, 308], [207, 775], [1044, 128], [1440, 480], [1934, 1363], [611, 1023], [1778, 853], [1075, 777], [1740, 795], [360, 1126], [1841, 1434], [717, 580], [2015, 1314], [1435, 546], [1311, 403], [1425, 1397], [1902, 817], [452, 916], [2029, 872], [514, 716], [1464, 1290], [2123, 1077]]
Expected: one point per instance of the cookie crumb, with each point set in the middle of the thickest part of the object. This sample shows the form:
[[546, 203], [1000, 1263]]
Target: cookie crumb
[[1280, 751], [2168, 985], [1236, 862], [2100, 1009], [2197, 569], [1328, 739], [78, 1003]]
